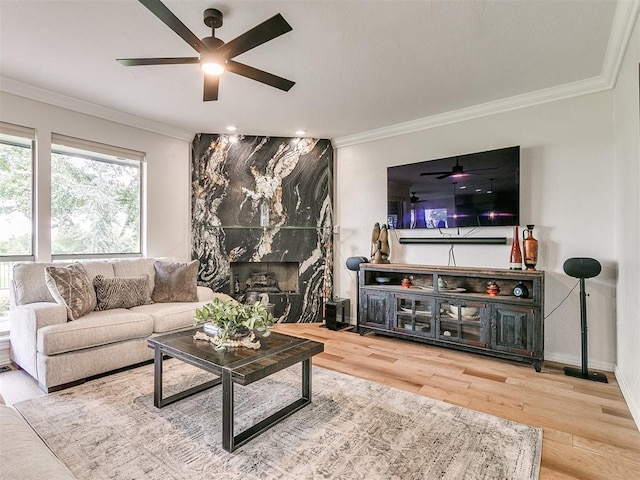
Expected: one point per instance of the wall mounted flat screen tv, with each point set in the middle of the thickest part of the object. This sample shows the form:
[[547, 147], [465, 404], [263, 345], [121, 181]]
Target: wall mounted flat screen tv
[[472, 190]]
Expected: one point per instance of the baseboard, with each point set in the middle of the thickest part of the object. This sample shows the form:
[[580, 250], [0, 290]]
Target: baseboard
[[577, 362], [634, 408], [5, 351]]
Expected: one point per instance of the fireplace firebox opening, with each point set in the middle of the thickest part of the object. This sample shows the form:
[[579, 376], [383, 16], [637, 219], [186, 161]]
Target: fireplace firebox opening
[[264, 277]]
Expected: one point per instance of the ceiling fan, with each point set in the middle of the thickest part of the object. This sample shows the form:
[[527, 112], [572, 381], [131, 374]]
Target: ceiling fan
[[216, 55], [456, 171], [415, 199]]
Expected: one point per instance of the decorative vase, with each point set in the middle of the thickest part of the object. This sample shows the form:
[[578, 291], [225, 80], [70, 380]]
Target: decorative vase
[[493, 289], [530, 248], [224, 334], [515, 260]]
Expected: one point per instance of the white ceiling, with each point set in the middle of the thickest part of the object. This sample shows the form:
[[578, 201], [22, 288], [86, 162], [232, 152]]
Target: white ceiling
[[359, 66]]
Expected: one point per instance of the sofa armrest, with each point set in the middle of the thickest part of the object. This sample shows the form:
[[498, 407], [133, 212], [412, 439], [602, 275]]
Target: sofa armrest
[[41, 314], [205, 294], [24, 455], [26, 320]]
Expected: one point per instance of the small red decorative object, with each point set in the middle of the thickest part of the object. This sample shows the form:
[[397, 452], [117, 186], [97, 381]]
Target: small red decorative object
[[493, 289]]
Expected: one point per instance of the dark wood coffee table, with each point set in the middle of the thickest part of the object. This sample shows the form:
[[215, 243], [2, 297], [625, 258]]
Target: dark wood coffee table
[[235, 365]]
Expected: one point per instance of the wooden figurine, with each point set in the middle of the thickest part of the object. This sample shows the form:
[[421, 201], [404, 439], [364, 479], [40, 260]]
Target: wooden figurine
[[379, 244]]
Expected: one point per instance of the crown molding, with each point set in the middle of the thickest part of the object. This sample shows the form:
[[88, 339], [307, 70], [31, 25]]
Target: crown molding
[[621, 29], [31, 92], [622, 26]]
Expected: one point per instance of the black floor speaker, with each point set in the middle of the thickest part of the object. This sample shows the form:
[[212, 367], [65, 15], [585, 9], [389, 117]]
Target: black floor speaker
[[583, 268], [336, 313]]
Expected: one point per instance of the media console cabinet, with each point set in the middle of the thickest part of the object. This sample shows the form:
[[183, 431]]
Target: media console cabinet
[[450, 307]]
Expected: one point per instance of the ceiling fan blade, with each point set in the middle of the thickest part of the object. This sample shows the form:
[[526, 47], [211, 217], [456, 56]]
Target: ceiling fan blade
[[440, 177], [133, 62], [434, 173], [260, 75], [267, 30], [211, 83], [170, 20]]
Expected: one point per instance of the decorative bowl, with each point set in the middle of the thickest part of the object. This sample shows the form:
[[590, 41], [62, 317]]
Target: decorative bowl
[[383, 280], [464, 311]]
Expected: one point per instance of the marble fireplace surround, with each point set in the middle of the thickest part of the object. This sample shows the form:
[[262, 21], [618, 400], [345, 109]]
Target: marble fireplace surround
[[265, 200]]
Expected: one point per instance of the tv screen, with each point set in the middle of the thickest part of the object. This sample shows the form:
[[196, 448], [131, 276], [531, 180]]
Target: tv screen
[[472, 190]]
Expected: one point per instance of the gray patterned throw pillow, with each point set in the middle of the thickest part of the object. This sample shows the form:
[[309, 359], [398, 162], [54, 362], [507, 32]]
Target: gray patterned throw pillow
[[121, 292], [71, 286], [175, 282]]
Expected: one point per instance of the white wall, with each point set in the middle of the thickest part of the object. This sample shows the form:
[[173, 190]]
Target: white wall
[[627, 224], [567, 181], [168, 180]]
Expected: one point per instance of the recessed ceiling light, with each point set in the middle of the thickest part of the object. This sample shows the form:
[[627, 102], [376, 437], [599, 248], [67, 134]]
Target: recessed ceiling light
[[300, 132], [232, 128]]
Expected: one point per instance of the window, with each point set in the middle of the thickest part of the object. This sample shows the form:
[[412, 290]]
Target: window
[[16, 207], [96, 193]]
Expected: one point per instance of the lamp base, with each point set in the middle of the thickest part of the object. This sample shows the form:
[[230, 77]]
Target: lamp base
[[578, 373]]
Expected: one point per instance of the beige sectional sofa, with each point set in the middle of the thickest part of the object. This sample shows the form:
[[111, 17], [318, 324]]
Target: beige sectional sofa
[[58, 352], [24, 456]]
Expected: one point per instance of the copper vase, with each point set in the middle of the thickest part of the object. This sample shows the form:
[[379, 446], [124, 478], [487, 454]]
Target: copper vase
[[530, 247]]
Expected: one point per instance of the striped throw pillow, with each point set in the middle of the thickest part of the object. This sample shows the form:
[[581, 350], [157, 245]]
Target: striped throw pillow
[[121, 292]]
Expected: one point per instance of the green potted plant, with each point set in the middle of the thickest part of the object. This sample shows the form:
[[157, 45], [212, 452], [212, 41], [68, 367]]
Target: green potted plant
[[234, 320]]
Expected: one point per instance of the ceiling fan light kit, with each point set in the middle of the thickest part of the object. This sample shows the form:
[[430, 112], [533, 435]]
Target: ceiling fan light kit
[[216, 55], [212, 64]]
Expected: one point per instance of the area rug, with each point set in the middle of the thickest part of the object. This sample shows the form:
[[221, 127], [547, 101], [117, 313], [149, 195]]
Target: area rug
[[354, 429]]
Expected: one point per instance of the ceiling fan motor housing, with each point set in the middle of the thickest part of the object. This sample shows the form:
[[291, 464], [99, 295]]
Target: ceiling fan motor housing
[[212, 18], [212, 43]]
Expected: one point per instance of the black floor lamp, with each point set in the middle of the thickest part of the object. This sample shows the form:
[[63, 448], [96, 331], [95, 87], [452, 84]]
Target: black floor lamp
[[353, 264], [583, 268]]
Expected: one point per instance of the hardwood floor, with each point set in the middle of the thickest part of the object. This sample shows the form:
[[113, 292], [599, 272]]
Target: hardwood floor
[[588, 430]]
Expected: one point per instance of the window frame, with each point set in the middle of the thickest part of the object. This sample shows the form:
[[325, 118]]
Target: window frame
[[29, 135], [100, 152]]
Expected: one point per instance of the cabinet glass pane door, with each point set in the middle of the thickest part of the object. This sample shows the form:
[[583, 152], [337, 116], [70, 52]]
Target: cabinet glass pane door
[[414, 314], [462, 321]]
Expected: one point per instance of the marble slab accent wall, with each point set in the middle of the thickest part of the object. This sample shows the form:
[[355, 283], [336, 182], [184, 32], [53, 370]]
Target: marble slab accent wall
[[265, 199]]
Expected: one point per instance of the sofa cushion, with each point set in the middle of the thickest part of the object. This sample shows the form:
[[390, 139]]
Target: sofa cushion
[[121, 292], [94, 329], [175, 282], [170, 316], [71, 286], [29, 284], [98, 267], [135, 267]]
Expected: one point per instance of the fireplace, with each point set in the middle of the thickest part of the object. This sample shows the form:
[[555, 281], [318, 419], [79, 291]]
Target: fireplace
[[262, 220], [264, 277]]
